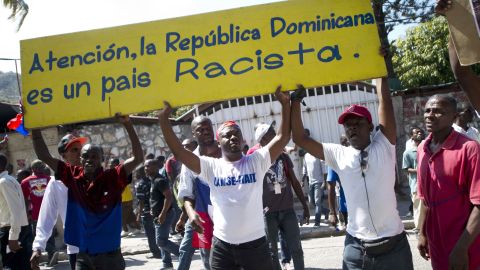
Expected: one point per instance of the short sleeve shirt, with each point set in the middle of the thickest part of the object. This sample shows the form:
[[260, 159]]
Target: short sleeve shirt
[[236, 190], [94, 217], [277, 189], [158, 186], [449, 184], [142, 192], [369, 198], [33, 188], [410, 162]]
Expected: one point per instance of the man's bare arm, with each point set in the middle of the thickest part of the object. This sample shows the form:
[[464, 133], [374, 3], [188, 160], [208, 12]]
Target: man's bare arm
[[186, 157], [298, 132], [278, 143], [41, 150], [386, 116], [468, 80], [130, 164]]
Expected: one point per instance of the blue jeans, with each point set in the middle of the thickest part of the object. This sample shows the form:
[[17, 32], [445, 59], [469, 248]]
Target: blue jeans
[[355, 258], [187, 251], [147, 222], [284, 252], [161, 235], [286, 221], [315, 197]]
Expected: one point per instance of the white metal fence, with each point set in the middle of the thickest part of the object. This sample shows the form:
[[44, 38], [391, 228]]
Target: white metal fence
[[324, 105]]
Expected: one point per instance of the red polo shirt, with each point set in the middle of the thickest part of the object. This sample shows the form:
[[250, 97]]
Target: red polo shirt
[[449, 183]]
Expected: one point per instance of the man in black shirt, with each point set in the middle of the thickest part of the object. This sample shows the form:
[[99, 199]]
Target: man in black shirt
[[163, 215], [143, 209]]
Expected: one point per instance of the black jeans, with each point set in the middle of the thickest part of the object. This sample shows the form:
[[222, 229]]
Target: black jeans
[[19, 260], [252, 255], [397, 258], [112, 260]]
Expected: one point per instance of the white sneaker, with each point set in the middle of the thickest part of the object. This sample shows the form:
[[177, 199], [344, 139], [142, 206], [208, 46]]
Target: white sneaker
[[123, 234], [286, 266], [134, 232]]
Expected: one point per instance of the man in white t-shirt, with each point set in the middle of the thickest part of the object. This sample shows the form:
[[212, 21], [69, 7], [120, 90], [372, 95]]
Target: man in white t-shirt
[[236, 189], [375, 234], [465, 116]]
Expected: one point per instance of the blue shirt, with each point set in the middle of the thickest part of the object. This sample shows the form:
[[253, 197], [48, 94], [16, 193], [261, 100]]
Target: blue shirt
[[332, 176]]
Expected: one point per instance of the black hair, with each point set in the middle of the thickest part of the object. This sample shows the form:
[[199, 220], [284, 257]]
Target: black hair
[[451, 101], [3, 162]]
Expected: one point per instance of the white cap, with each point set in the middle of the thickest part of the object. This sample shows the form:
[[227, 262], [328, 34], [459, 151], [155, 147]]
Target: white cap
[[260, 131]]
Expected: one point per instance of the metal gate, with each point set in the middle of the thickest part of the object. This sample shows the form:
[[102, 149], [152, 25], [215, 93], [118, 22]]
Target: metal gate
[[324, 105]]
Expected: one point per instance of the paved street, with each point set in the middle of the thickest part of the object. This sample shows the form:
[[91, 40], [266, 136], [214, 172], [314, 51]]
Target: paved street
[[320, 253]]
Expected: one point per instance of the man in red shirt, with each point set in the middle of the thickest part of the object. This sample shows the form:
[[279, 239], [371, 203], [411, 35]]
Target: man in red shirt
[[449, 187]]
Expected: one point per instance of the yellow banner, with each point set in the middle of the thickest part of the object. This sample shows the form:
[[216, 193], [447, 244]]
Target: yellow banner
[[208, 57]]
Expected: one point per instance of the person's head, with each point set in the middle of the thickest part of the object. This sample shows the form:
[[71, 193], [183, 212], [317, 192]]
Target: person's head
[[151, 167], [307, 132], [245, 149], [113, 162], [9, 168], [344, 141], [161, 161], [149, 156], [3, 163], [417, 134], [440, 113], [189, 144], [357, 122], [91, 158], [140, 172], [264, 134], [230, 138], [69, 148], [22, 174], [465, 115], [202, 131], [38, 167]]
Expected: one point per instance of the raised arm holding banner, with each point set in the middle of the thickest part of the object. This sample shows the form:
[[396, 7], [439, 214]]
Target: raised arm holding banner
[[202, 58]]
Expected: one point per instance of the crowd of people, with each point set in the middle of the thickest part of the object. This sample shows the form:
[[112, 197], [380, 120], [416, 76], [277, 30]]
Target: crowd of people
[[235, 205]]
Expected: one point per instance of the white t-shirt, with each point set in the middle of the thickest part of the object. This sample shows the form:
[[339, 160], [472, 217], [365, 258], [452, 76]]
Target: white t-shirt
[[471, 132], [313, 168], [236, 190], [380, 181]]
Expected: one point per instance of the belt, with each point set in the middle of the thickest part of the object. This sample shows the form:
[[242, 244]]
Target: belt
[[113, 252], [255, 242], [381, 240]]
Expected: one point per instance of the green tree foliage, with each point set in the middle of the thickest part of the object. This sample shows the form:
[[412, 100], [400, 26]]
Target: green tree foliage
[[390, 13], [19, 10], [9, 88], [421, 58]]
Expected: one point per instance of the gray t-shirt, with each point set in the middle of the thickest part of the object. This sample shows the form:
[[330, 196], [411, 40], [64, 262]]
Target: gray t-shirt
[[277, 190]]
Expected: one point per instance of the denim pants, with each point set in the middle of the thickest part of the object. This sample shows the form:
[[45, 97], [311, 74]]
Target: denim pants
[[187, 251], [19, 260], [315, 195], [284, 252], [161, 236], [253, 255], [354, 256], [286, 221], [147, 221]]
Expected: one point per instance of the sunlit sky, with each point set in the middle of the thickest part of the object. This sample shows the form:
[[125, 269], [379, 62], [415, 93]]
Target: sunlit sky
[[51, 17]]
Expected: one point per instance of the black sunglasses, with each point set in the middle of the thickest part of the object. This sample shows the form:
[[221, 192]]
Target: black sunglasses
[[364, 161]]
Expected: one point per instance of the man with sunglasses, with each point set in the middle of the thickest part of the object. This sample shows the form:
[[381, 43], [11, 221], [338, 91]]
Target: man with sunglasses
[[375, 236], [55, 203]]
